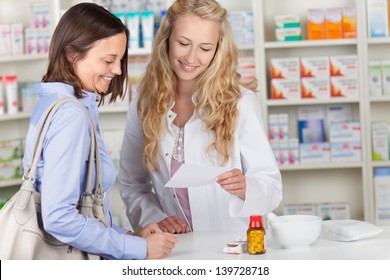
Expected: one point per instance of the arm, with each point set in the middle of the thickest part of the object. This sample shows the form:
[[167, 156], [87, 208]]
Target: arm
[[65, 155], [263, 180], [135, 188]]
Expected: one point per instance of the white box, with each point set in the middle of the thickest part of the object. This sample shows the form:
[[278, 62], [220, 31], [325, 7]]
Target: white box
[[344, 87], [273, 127], [377, 18], [276, 150], [283, 126], [346, 152], [315, 88], [385, 77], [5, 39], [17, 39], [315, 67], [333, 211], [380, 141], [285, 68], [343, 65], [314, 152], [283, 152], [339, 113], [285, 89], [293, 151], [299, 209], [382, 196], [375, 77], [344, 132]]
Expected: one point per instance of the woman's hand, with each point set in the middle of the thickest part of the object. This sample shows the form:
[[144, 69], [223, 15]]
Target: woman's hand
[[173, 224], [147, 230], [234, 182]]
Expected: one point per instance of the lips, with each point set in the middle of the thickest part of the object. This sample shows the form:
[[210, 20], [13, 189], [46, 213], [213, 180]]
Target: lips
[[187, 67]]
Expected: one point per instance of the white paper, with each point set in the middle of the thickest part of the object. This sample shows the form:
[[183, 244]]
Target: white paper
[[188, 176]]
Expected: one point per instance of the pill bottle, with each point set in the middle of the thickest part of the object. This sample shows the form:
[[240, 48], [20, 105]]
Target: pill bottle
[[256, 236]]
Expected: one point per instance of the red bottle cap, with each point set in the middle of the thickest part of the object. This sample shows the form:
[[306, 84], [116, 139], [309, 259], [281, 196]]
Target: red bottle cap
[[255, 221]]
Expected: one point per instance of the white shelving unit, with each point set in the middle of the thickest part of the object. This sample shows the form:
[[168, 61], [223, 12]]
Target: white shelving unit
[[305, 183]]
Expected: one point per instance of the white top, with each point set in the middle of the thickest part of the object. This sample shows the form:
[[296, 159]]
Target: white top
[[212, 208]]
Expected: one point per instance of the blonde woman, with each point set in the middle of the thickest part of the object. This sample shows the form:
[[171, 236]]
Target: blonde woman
[[194, 109]]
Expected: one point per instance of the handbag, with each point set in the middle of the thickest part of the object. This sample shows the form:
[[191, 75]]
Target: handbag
[[22, 235]]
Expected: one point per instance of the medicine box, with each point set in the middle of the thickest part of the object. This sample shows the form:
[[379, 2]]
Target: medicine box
[[315, 88], [273, 127], [346, 152], [299, 209], [11, 170], [344, 132], [285, 89], [344, 87], [382, 196], [343, 65], [333, 211], [386, 77], [285, 68], [5, 39], [288, 34], [380, 141], [375, 77], [315, 24], [283, 126], [287, 21], [377, 18], [349, 22], [284, 152], [314, 152], [315, 67], [10, 150], [333, 23], [293, 151]]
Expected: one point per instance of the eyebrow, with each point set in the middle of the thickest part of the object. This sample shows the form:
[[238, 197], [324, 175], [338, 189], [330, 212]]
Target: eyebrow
[[184, 37]]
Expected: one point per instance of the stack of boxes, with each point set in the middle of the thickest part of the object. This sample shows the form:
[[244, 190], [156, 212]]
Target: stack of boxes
[[327, 211], [379, 77], [333, 23], [314, 77], [242, 25], [287, 28], [378, 18], [11, 154]]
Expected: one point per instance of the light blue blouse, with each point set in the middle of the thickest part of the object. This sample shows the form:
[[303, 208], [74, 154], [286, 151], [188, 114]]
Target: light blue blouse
[[61, 176]]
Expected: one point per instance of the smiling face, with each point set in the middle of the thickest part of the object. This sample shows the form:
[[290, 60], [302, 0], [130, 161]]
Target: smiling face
[[102, 63], [192, 45]]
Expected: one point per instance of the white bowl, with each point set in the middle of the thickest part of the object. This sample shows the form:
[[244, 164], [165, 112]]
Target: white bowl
[[296, 231]]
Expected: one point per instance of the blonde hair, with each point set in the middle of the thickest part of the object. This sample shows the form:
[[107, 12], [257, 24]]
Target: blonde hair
[[217, 88]]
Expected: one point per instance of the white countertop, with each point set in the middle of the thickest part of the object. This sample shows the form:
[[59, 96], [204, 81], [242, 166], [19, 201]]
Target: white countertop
[[209, 246]]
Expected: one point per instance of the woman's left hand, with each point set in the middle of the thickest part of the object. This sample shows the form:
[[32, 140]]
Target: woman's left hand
[[234, 182]]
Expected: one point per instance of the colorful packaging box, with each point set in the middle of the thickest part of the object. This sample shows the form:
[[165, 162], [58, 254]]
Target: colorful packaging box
[[315, 24], [285, 68], [343, 65], [344, 87], [349, 132], [315, 67], [375, 77], [314, 152], [349, 22], [285, 89], [315, 88], [333, 211], [346, 152], [333, 24]]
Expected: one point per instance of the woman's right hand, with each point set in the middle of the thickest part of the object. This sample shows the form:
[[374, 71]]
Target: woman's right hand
[[173, 224], [160, 245]]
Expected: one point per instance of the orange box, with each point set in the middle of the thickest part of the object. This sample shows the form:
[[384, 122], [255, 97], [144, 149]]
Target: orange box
[[333, 24], [349, 22], [315, 24]]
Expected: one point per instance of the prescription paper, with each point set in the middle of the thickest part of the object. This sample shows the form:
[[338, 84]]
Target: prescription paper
[[188, 176]]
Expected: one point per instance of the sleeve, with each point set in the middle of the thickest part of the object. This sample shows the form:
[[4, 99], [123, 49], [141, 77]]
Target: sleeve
[[143, 206], [263, 178], [65, 154]]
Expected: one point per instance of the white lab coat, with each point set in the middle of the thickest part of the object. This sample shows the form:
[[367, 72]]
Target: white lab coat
[[212, 208]]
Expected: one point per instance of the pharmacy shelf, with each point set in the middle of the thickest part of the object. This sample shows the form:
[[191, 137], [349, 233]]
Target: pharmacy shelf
[[381, 164], [321, 166], [11, 117], [23, 57], [109, 110], [298, 102], [378, 99], [378, 41], [10, 183], [310, 43]]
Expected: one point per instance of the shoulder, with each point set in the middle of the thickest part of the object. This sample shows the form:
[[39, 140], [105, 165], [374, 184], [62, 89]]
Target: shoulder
[[248, 99]]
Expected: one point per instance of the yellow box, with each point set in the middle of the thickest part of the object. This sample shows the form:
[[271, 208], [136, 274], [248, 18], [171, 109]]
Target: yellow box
[[349, 22], [315, 24], [333, 24]]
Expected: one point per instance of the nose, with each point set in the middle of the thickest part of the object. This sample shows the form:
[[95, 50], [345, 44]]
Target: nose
[[116, 69], [191, 55]]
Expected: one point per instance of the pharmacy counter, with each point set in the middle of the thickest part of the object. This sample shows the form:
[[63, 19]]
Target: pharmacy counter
[[209, 246]]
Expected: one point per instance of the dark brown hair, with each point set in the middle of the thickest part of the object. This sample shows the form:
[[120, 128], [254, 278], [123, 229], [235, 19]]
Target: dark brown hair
[[77, 31]]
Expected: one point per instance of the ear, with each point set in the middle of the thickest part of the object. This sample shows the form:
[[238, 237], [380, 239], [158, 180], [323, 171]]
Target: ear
[[70, 57]]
